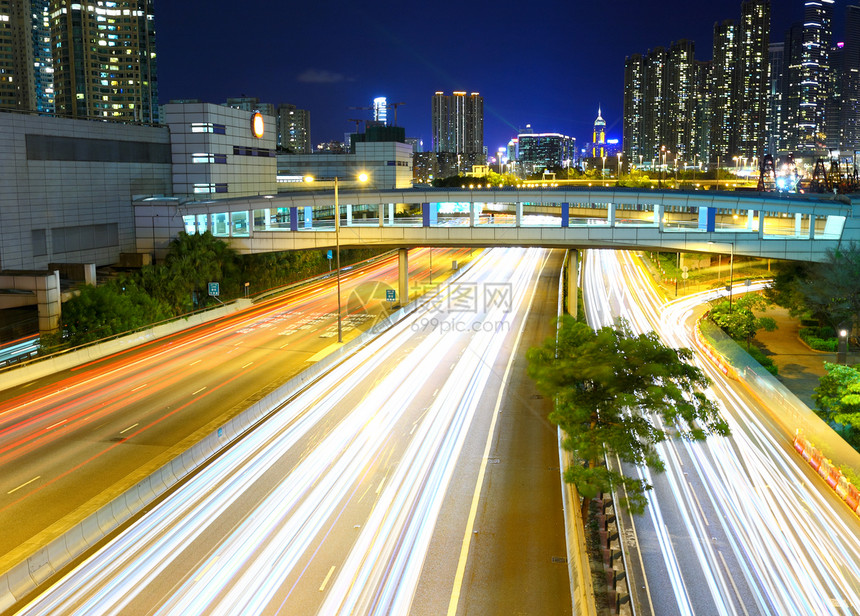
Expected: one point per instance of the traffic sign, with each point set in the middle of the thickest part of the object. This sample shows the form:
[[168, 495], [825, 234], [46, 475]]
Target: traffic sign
[[390, 295], [328, 255], [214, 289]]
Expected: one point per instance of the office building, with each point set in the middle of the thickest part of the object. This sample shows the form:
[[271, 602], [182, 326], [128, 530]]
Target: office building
[[104, 60], [538, 152], [598, 136]]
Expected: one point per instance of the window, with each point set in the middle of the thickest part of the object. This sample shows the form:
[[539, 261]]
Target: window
[[208, 127]]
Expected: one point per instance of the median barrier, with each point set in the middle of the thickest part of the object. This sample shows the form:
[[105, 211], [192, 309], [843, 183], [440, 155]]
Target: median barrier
[[34, 569]]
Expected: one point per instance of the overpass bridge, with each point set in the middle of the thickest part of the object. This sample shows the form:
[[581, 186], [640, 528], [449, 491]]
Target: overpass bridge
[[794, 227]]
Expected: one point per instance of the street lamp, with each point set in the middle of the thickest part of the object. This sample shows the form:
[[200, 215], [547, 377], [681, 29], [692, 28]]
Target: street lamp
[[842, 348], [362, 177], [731, 270]]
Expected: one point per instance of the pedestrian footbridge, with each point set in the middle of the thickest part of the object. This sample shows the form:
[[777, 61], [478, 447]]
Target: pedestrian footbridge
[[796, 227]]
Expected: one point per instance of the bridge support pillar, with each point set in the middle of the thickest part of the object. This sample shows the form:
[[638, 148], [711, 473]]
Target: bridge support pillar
[[294, 219], [391, 214], [403, 275], [572, 282], [381, 214], [309, 217], [610, 214], [659, 208], [798, 221], [348, 214], [812, 226], [429, 214], [473, 217], [750, 219], [519, 215], [565, 215]]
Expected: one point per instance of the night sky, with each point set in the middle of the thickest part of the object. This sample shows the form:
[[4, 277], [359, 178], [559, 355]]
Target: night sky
[[548, 64]]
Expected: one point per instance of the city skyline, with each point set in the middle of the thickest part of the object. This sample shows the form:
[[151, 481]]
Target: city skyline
[[551, 70]]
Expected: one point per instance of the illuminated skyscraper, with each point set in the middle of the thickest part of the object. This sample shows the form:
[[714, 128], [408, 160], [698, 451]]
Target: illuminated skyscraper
[[653, 106], [598, 138], [380, 110], [43, 63], [680, 99], [104, 59], [724, 71]]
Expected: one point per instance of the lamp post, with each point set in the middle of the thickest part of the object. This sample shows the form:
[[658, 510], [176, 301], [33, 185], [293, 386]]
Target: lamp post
[[731, 270], [842, 348], [361, 178]]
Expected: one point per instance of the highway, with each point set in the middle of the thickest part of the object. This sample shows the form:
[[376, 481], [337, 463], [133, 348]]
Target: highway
[[738, 525], [70, 441], [362, 493]]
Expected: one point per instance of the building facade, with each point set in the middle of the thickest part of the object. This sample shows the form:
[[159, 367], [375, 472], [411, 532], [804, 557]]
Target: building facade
[[294, 129], [538, 152], [219, 152], [68, 186], [104, 60]]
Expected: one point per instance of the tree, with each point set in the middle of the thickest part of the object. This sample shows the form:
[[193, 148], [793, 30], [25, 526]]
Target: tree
[[738, 320], [109, 309], [619, 394], [194, 260], [837, 397], [829, 290]]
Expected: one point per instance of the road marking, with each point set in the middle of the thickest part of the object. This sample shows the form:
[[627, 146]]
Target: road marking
[[473, 510], [26, 483], [283, 345], [140, 387], [698, 504], [732, 580], [205, 569], [246, 365], [198, 391], [327, 577], [56, 424], [129, 428], [195, 362], [381, 483]]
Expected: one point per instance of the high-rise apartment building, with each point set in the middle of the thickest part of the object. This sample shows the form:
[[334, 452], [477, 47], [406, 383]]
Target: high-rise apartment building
[[16, 60], [809, 131], [653, 106], [458, 130], [104, 59], [43, 63], [752, 78], [679, 136], [294, 129], [774, 116], [724, 73], [634, 93]]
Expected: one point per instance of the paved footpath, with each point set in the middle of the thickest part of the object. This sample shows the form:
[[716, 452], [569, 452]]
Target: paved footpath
[[800, 367]]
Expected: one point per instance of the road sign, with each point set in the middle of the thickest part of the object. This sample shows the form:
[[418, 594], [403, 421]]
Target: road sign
[[214, 289], [328, 255], [685, 275], [390, 295]]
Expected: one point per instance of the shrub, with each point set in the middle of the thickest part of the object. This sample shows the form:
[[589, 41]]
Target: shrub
[[765, 361]]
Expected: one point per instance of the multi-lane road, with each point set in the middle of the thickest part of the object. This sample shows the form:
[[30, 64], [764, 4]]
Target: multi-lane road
[[737, 525], [371, 491]]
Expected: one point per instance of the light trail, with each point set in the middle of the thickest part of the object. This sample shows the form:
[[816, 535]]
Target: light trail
[[363, 432], [793, 548]]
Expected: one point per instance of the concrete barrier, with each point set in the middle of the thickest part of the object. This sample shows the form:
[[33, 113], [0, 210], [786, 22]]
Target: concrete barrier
[[40, 367], [62, 547]]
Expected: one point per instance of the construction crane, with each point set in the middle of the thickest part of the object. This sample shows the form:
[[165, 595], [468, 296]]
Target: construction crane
[[395, 106]]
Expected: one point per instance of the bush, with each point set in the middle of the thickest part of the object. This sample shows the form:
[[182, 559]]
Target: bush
[[819, 338]]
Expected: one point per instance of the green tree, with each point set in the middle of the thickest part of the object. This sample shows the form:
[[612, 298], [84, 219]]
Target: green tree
[[194, 260], [619, 394], [837, 397], [109, 309], [737, 318]]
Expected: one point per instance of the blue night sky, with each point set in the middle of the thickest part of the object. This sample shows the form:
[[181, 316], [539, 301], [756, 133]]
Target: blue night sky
[[547, 64]]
